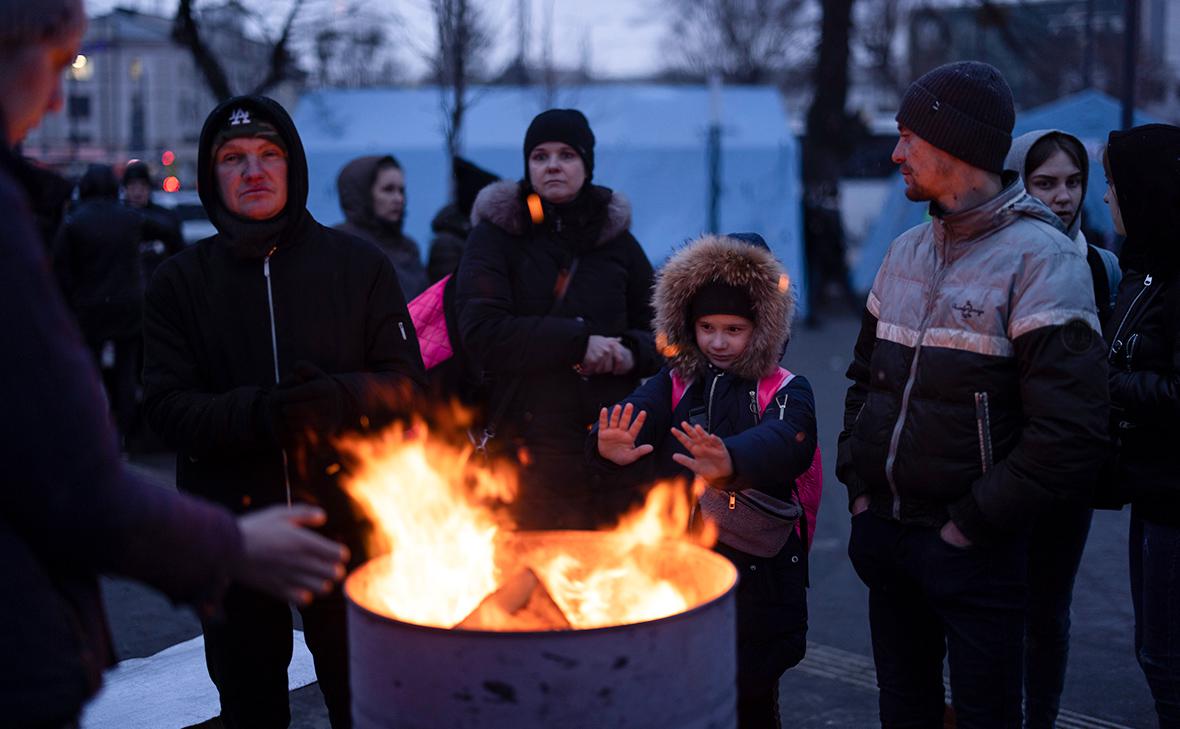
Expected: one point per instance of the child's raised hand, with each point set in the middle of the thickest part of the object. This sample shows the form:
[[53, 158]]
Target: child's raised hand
[[617, 433], [710, 458]]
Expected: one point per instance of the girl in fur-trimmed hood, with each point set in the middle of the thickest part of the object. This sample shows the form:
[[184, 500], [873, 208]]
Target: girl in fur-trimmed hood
[[722, 410]]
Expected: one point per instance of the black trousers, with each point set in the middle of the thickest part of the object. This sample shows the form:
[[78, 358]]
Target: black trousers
[[771, 627], [248, 649], [929, 600]]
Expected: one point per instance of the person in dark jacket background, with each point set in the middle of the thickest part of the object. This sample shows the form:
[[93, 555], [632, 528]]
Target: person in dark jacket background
[[553, 298], [452, 223], [978, 401], [1143, 175], [373, 199], [69, 508], [262, 343], [162, 236], [96, 259], [1055, 168], [724, 311]]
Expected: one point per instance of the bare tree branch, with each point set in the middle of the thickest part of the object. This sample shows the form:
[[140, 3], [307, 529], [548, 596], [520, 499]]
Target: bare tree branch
[[462, 41], [747, 41], [186, 32], [280, 58]]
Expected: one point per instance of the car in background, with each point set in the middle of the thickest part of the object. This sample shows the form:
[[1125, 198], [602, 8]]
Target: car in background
[[194, 224]]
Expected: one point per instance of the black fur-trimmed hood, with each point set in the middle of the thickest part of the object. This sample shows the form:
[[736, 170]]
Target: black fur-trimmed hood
[[502, 204], [718, 258]]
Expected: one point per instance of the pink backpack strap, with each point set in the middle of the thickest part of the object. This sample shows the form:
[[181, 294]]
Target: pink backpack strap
[[769, 386], [810, 487], [679, 387], [810, 484]]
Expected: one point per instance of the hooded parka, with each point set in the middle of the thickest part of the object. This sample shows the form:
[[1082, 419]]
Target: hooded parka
[[1144, 331], [506, 288], [1104, 264], [978, 388], [770, 447], [229, 318], [355, 187]]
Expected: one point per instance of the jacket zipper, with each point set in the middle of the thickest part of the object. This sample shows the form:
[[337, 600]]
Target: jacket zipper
[[895, 438], [709, 408], [984, 425], [1115, 344], [274, 348]]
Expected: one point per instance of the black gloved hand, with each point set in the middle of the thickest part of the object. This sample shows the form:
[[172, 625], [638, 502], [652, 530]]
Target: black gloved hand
[[309, 403]]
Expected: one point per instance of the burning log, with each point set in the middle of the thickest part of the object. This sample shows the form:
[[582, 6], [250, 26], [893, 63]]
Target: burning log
[[521, 603]]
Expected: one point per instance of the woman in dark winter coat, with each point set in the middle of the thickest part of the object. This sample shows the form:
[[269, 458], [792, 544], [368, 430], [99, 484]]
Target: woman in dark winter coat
[[553, 309], [724, 411], [1143, 176], [373, 198], [1054, 168]]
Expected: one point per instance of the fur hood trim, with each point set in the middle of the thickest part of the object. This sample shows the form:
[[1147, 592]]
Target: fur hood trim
[[718, 258], [501, 204]]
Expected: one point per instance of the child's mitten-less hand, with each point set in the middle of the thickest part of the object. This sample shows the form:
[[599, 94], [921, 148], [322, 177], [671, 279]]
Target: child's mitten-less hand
[[617, 433], [710, 458]]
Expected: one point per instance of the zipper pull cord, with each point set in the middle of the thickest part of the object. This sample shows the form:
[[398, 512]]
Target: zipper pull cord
[[274, 348], [732, 500]]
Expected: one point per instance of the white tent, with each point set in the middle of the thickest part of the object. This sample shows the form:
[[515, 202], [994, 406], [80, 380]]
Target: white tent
[[651, 146]]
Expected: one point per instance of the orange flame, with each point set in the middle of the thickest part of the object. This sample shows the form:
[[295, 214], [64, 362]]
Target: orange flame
[[434, 513]]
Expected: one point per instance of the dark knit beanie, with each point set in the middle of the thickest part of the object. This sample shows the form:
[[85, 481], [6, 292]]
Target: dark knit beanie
[[964, 109], [568, 126], [718, 297], [247, 122]]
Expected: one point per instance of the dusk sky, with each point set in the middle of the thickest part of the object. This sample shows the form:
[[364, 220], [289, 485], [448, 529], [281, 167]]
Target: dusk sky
[[625, 37]]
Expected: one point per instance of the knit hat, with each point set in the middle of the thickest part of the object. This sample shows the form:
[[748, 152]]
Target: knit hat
[[568, 126], [718, 297], [964, 109], [247, 122]]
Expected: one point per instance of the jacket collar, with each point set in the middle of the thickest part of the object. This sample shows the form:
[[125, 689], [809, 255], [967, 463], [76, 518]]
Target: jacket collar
[[1002, 210]]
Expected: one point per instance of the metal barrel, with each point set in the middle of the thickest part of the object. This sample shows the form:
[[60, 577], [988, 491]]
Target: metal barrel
[[678, 671]]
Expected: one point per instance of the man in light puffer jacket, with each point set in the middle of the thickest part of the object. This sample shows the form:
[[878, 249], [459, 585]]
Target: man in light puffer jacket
[[978, 400]]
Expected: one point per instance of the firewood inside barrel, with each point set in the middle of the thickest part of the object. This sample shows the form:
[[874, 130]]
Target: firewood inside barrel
[[520, 604]]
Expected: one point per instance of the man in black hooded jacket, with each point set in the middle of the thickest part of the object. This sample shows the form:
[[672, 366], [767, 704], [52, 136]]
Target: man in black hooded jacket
[[262, 343]]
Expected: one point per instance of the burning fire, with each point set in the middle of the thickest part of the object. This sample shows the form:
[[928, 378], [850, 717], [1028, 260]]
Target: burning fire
[[453, 559]]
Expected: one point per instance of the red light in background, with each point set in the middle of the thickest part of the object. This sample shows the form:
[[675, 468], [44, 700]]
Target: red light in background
[[167, 158], [171, 183]]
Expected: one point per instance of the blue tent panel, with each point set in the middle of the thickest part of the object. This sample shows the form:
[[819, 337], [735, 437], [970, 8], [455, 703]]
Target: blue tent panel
[[650, 147]]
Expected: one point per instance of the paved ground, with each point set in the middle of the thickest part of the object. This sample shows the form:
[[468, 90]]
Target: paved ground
[[833, 687]]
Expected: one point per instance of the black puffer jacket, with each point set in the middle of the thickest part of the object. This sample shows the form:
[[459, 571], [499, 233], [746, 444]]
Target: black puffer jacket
[[978, 391], [96, 259], [355, 187], [1144, 332], [209, 363]]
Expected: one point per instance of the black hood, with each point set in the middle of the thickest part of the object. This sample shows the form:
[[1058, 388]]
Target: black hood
[[1145, 167], [98, 182], [244, 237], [354, 185]]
